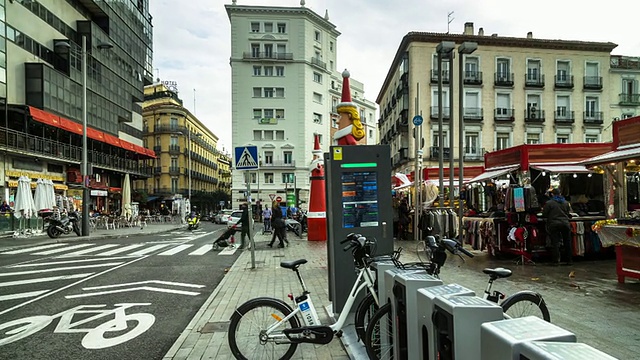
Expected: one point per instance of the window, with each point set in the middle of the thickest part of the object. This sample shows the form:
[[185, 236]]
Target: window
[[174, 140], [268, 71], [503, 69], [279, 134], [562, 107], [268, 178], [268, 157], [317, 77], [503, 140], [562, 138], [279, 113], [268, 51], [330, 45], [504, 104], [279, 92], [174, 185], [282, 28], [257, 135], [533, 106], [533, 138], [268, 92], [317, 97], [471, 143], [436, 138], [158, 142], [288, 157], [471, 68], [562, 73], [331, 67], [257, 70], [533, 70], [257, 113], [320, 139], [317, 118], [253, 177], [279, 70], [334, 122], [268, 135], [255, 50], [591, 138], [268, 113], [268, 27], [591, 107], [282, 50], [316, 35], [173, 122], [629, 87], [370, 133], [257, 92], [255, 27], [174, 162]]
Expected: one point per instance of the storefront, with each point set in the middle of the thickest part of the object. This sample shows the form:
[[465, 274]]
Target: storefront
[[621, 178], [507, 198]]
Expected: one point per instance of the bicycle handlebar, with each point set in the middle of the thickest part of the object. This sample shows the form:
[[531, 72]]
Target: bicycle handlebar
[[465, 251]]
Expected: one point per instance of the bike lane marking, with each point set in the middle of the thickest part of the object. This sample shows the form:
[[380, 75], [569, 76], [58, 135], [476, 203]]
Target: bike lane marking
[[65, 268], [46, 279], [68, 262], [22, 295], [55, 251], [20, 251]]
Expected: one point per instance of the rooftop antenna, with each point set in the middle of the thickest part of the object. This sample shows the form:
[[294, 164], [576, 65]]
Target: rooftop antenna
[[194, 101], [450, 19]]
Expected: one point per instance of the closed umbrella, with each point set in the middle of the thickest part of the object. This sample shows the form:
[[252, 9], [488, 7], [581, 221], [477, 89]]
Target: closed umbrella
[[51, 194], [126, 197], [24, 204], [41, 197]]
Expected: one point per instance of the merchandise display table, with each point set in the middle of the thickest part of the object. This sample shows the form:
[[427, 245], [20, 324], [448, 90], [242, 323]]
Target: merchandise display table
[[627, 249]]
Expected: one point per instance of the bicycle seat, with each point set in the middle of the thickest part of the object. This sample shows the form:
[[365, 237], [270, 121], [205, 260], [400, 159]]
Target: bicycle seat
[[498, 272], [293, 264]]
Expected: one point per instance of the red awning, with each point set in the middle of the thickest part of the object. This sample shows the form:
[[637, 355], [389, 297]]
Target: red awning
[[44, 116], [95, 134], [127, 145], [151, 153], [70, 126], [112, 140], [139, 149]]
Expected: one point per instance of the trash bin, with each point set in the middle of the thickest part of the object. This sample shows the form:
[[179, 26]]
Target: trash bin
[[457, 321], [543, 350], [405, 311], [503, 339], [425, 329]]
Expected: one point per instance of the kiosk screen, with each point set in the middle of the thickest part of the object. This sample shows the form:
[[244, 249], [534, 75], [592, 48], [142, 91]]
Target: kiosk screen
[[359, 199]]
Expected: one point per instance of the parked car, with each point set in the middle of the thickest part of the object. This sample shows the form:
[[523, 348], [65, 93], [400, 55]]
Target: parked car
[[223, 216], [234, 218]]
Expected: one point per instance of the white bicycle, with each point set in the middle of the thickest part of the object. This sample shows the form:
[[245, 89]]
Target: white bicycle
[[95, 338]]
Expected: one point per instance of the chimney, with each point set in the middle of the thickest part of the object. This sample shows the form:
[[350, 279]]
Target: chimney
[[529, 35], [481, 32], [494, 34], [468, 28]]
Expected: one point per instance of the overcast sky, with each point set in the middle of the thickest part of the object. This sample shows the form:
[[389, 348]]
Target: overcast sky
[[192, 38]]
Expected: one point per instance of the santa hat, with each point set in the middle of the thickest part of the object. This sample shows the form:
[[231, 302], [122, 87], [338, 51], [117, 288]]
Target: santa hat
[[346, 92]]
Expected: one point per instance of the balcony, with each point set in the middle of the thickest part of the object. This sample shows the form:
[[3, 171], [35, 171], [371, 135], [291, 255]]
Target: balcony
[[278, 163], [319, 63], [434, 76], [401, 157], [169, 129], [434, 114], [472, 78], [534, 80], [563, 81], [625, 62], [503, 79], [157, 149], [174, 149], [473, 114], [564, 117], [592, 83], [174, 170], [434, 152], [534, 116], [157, 170], [473, 154], [267, 56], [593, 117], [629, 99], [503, 114]]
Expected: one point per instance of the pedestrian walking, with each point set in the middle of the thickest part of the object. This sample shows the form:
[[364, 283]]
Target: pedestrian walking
[[279, 228], [266, 215], [404, 219], [244, 220], [557, 213]]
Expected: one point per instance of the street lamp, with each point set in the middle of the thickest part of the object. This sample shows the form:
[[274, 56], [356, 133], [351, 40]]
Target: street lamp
[[444, 48], [465, 48]]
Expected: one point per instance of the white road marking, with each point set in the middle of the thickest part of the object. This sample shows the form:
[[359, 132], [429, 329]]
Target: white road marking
[[22, 295], [148, 288], [121, 250], [176, 249], [38, 280], [229, 250], [36, 248], [149, 249], [70, 261], [144, 282], [86, 251], [55, 251], [202, 250], [27, 272]]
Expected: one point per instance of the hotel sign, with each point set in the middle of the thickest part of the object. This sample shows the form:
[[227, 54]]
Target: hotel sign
[[171, 85]]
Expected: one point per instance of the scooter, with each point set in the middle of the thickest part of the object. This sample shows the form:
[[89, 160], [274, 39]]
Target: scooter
[[194, 223], [65, 225]]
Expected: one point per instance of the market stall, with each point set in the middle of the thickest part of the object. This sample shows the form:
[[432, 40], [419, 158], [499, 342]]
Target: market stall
[[621, 178], [506, 199]]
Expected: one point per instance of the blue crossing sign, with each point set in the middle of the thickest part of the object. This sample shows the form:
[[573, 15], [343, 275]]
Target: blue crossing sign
[[246, 157]]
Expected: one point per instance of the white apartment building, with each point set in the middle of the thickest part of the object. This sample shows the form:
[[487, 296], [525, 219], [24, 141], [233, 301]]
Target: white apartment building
[[624, 91], [284, 85], [515, 91]]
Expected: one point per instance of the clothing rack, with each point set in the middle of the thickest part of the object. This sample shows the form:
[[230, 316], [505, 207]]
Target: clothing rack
[[436, 221]]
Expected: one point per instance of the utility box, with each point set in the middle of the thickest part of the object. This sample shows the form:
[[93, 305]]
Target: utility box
[[380, 267], [543, 350], [503, 339], [457, 321], [425, 329], [405, 312]]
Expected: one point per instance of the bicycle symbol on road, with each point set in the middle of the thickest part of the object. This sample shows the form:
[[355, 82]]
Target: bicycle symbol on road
[[95, 338]]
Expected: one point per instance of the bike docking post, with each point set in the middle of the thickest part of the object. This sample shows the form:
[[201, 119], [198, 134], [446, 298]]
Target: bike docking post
[[405, 311], [503, 339], [379, 269], [457, 321], [425, 328], [543, 350]]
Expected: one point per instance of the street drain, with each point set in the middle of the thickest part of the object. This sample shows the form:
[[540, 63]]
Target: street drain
[[217, 326]]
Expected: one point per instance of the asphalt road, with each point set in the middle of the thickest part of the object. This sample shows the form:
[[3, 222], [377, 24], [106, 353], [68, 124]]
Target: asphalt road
[[106, 299]]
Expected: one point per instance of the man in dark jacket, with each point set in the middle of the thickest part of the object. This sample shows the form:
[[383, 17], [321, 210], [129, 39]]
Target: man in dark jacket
[[556, 212], [244, 220]]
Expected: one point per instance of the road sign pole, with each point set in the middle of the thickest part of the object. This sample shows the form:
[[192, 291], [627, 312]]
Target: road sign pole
[[247, 179]]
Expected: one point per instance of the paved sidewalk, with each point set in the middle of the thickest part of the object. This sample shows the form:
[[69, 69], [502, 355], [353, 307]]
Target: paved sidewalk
[[206, 336]]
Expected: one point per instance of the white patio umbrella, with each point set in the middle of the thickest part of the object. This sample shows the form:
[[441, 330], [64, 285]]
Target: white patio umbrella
[[41, 198], [126, 197], [24, 204], [51, 194]]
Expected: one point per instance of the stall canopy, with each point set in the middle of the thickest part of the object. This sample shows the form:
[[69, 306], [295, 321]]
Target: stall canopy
[[561, 168], [614, 156], [493, 173]]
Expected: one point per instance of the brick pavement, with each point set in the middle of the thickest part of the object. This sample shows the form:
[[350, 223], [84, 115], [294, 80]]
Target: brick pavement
[[206, 336]]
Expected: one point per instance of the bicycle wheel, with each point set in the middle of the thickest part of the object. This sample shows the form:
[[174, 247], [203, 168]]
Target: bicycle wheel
[[526, 304], [379, 337], [364, 313], [96, 339], [21, 328], [247, 330]]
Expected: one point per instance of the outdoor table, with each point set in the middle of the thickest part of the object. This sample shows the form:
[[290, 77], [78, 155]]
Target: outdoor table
[[627, 249]]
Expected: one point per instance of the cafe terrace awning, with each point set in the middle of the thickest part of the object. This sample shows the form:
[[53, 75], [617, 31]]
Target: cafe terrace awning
[[562, 168], [493, 173], [614, 156]]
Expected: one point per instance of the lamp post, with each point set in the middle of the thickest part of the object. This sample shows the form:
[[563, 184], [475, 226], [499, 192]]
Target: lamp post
[[465, 48], [442, 49]]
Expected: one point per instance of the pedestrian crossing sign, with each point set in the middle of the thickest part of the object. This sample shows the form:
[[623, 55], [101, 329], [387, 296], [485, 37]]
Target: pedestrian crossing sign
[[246, 157]]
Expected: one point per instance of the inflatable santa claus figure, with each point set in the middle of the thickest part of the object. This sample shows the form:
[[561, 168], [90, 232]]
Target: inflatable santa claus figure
[[317, 214], [350, 128]]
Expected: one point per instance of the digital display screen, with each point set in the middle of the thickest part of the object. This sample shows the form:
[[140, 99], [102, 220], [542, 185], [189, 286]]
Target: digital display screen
[[359, 199]]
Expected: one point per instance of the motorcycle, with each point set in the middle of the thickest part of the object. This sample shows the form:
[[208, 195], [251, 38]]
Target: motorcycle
[[65, 225], [194, 223]]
